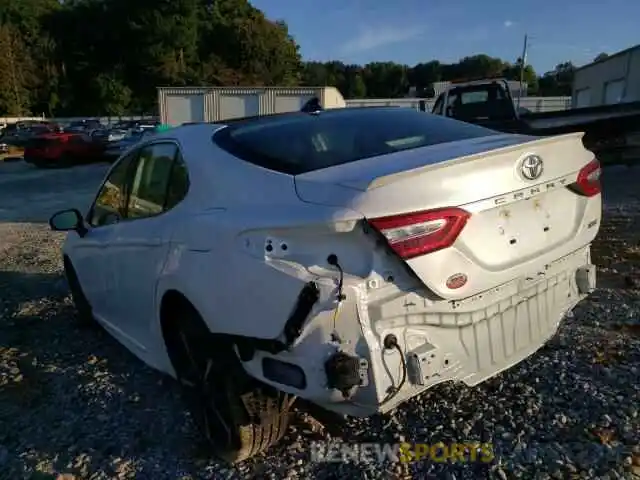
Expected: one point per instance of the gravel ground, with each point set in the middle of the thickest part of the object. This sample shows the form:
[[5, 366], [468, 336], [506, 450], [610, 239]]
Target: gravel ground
[[74, 404]]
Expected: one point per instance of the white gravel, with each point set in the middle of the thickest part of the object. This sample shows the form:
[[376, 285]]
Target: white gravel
[[73, 402]]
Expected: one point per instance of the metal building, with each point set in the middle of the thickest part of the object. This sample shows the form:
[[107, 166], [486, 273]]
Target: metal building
[[616, 79], [178, 105]]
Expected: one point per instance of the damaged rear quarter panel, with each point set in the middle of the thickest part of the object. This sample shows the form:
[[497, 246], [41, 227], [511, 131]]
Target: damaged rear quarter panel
[[243, 268]]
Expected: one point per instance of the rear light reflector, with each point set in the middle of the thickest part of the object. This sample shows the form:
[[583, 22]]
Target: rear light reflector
[[419, 233], [588, 182], [455, 281]]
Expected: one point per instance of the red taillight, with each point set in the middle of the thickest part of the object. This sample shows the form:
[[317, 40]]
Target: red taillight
[[588, 182], [418, 233]]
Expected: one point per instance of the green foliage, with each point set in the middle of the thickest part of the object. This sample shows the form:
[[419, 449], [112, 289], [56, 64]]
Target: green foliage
[[390, 80], [559, 80], [97, 57], [16, 72]]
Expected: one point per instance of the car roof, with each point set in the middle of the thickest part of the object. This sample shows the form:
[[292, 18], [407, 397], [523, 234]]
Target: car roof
[[198, 149]]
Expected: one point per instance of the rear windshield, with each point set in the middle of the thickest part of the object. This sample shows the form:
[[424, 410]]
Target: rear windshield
[[299, 143], [482, 101]]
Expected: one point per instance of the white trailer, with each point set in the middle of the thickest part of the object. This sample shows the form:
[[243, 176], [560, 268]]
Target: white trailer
[[211, 104]]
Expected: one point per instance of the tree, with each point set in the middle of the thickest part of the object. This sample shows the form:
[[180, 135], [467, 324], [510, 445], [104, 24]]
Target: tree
[[601, 56], [357, 87], [389, 79], [112, 96], [237, 36], [424, 75], [27, 20], [93, 57], [477, 66], [386, 79], [314, 74], [559, 81], [512, 72], [15, 68]]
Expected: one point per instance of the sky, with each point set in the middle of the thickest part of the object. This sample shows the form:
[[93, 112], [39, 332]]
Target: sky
[[414, 31]]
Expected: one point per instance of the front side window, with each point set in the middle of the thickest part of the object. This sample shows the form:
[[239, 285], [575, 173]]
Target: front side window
[[110, 204], [299, 143]]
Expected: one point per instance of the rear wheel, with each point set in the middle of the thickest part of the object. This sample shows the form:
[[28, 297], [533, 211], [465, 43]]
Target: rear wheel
[[84, 312], [238, 417]]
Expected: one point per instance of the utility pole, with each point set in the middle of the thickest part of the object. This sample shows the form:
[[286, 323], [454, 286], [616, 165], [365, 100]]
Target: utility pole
[[523, 63]]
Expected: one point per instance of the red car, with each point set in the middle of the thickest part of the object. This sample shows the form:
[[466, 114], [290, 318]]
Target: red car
[[61, 149]]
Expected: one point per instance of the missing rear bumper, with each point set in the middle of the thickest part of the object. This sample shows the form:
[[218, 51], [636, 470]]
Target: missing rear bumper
[[293, 327]]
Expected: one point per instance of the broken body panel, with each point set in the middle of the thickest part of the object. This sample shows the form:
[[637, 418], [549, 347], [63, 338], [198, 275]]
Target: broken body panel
[[465, 311]]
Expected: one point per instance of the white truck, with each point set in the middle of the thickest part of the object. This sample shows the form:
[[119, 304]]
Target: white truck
[[184, 105]]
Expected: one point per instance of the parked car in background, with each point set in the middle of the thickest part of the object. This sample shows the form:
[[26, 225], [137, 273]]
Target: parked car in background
[[136, 125], [20, 133], [108, 135], [61, 149], [84, 126], [354, 258], [115, 149]]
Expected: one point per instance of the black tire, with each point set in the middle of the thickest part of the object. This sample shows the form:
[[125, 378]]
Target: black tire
[[238, 416], [84, 313]]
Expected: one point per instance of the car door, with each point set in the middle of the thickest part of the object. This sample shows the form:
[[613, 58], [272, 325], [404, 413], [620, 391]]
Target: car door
[[139, 246], [88, 253]]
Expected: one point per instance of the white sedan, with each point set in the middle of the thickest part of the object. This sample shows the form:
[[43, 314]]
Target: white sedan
[[353, 258]]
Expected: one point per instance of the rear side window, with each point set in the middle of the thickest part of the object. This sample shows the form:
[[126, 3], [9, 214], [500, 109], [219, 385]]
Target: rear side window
[[178, 183], [151, 180], [299, 143]]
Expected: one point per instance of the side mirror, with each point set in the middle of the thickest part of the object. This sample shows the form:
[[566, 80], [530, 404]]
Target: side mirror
[[67, 220]]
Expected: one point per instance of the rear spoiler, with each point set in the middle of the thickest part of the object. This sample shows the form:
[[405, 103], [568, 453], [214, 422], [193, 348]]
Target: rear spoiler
[[394, 177]]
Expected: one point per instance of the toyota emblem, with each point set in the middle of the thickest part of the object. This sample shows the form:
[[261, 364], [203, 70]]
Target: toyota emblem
[[532, 167]]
